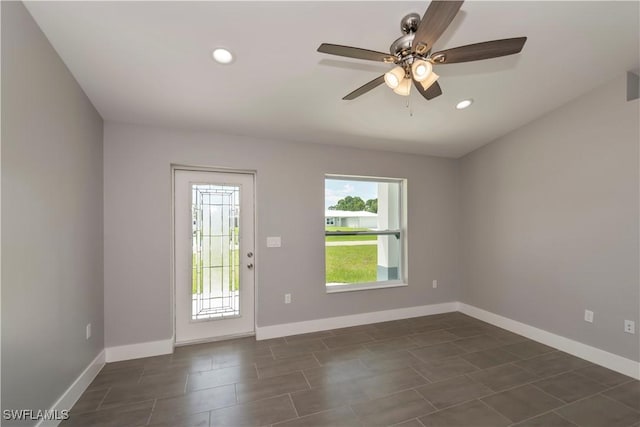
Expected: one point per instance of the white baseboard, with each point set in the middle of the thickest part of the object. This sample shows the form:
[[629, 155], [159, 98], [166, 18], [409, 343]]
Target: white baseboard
[[75, 390], [275, 331], [136, 351], [592, 354], [156, 348]]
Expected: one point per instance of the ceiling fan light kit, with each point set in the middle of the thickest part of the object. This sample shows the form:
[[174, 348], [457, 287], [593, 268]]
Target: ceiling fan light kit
[[421, 69], [404, 88], [412, 52], [430, 80], [394, 77]]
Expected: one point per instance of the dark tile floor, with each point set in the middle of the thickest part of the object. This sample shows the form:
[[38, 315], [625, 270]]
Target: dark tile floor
[[442, 370]]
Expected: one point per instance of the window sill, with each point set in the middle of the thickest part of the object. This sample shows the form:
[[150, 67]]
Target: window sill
[[336, 288]]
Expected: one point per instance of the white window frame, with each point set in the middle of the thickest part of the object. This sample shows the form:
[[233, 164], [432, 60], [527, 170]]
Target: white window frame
[[402, 280]]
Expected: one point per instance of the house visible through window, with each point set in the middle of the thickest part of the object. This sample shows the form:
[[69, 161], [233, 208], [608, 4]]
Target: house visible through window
[[364, 232]]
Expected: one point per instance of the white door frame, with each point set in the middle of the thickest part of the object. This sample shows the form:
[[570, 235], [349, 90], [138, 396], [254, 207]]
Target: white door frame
[[190, 168]]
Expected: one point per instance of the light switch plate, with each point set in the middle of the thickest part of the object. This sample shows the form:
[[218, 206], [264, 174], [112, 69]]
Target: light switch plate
[[588, 316], [274, 242]]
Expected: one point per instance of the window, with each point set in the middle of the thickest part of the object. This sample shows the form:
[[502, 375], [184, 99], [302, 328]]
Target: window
[[364, 233]]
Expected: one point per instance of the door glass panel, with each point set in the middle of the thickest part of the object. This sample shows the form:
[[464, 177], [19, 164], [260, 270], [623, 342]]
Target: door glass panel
[[215, 290]]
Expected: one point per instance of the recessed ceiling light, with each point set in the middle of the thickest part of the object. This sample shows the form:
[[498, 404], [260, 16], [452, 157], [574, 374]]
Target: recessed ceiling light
[[222, 56], [464, 104]]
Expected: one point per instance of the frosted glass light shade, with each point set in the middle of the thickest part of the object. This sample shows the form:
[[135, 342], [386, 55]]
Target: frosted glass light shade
[[394, 77], [404, 87], [421, 70], [431, 79]]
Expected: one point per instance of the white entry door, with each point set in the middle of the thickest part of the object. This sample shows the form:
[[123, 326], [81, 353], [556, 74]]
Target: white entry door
[[214, 260]]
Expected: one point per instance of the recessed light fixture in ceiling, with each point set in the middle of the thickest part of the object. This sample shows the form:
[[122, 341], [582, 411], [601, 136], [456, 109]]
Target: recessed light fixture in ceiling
[[464, 104], [222, 56]]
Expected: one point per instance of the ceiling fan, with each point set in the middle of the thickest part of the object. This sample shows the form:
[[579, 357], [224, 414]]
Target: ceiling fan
[[412, 53]]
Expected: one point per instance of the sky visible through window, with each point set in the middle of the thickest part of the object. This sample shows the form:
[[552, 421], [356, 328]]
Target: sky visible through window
[[336, 189]]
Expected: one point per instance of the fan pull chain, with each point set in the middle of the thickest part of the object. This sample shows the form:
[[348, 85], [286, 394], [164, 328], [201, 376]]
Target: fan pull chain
[[409, 106]]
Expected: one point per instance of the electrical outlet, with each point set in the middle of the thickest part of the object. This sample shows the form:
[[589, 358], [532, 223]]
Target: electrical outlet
[[630, 326], [88, 330], [287, 298], [435, 284], [588, 316]]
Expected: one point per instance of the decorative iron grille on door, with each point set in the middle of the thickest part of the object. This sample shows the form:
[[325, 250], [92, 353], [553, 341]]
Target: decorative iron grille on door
[[216, 261]]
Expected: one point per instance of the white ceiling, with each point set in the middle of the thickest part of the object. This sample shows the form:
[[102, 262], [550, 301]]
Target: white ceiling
[[150, 63]]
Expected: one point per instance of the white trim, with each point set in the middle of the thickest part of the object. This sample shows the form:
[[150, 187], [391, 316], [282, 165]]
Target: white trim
[[600, 357], [172, 255], [275, 331], [595, 355], [215, 339], [335, 288], [214, 169], [592, 354], [136, 351], [75, 390]]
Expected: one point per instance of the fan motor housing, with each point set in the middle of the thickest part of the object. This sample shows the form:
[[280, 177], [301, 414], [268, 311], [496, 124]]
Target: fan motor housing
[[409, 25], [402, 46]]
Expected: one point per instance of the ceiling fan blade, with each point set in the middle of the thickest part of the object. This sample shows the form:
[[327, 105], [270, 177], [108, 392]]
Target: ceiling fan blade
[[365, 88], [431, 92], [436, 19], [478, 51], [355, 52]]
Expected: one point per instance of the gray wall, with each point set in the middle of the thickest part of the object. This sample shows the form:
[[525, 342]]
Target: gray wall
[[550, 221], [52, 258], [290, 203], [536, 226]]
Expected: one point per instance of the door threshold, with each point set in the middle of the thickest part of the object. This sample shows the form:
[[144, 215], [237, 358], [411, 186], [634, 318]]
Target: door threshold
[[215, 339]]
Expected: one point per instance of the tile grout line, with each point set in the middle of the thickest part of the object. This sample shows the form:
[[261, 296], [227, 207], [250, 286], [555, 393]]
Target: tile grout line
[[306, 379], [521, 384], [627, 378], [293, 405], [420, 375], [255, 369], [151, 413], [412, 370], [186, 382], [458, 403], [551, 411], [494, 410], [103, 398], [493, 393], [140, 377], [618, 401], [320, 365], [564, 404]]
